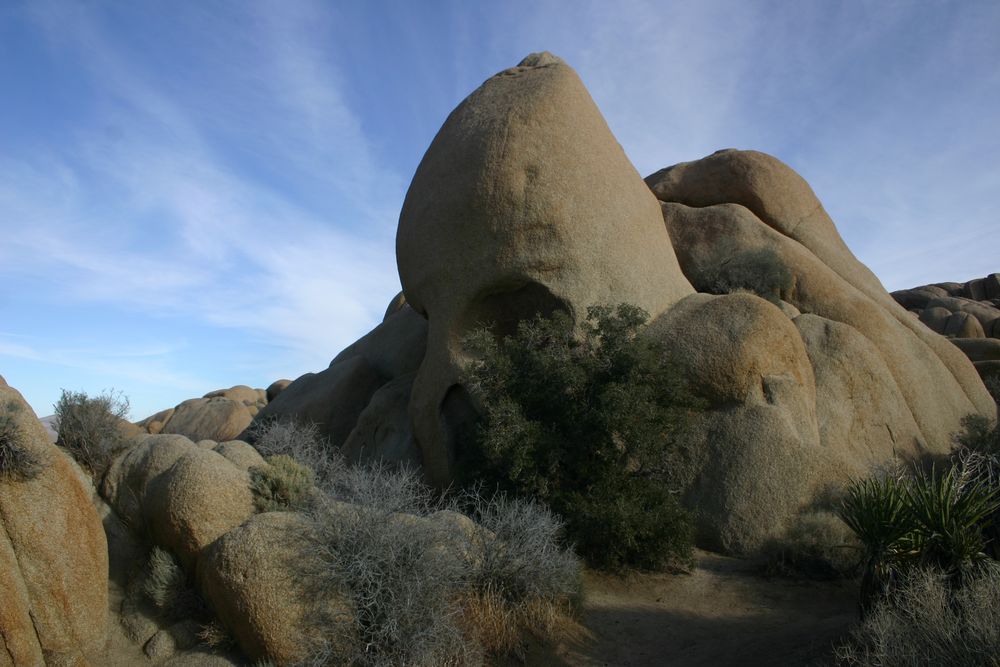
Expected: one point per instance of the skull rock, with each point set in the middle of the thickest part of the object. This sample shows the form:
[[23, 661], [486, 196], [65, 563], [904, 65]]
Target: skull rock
[[524, 203]]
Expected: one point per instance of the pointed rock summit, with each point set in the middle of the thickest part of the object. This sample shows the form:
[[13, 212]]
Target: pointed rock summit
[[524, 203]]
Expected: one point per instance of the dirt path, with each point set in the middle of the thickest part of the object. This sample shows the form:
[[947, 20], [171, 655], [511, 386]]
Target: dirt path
[[724, 613]]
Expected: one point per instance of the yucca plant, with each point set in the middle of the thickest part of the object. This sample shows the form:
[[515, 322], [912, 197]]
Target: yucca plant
[[876, 510], [950, 510]]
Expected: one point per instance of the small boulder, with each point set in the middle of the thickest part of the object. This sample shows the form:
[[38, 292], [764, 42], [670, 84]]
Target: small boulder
[[215, 418], [963, 325], [276, 388], [200, 497], [240, 454], [253, 578]]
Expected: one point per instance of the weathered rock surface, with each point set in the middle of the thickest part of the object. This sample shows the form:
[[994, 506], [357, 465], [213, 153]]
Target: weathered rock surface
[[967, 313], [276, 388], [884, 385], [342, 399], [196, 500], [523, 203], [216, 418], [53, 555], [383, 431], [253, 579]]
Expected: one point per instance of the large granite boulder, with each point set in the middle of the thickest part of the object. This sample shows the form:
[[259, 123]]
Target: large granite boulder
[[53, 552], [217, 418], [255, 578], [883, 385], [337, 398], [524, 203]]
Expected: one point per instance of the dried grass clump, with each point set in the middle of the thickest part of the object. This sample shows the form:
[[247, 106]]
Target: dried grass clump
[[926, 621], [165, 585], [18, 463], [90, 429], [281, 486]]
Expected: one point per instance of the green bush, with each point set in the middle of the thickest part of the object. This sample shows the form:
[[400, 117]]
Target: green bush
[[282, 485], [587, 422], [90, 429], [760, 271], [936, 519], [18, 463]]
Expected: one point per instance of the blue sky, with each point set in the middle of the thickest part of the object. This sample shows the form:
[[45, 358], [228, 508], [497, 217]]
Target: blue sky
[[200, 194]]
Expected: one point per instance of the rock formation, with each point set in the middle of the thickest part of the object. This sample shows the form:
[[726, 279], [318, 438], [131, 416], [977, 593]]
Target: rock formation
[[968, 314], [524, 203], [53, 552]]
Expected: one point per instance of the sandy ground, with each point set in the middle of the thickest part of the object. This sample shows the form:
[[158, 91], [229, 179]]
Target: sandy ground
[[723, 613]]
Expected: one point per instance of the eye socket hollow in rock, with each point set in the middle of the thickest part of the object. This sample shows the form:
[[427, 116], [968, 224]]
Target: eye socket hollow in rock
[[501, 310]]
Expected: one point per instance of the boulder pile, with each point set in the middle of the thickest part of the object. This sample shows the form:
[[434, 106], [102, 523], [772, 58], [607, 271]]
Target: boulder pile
[[525, 203], [968, 314]]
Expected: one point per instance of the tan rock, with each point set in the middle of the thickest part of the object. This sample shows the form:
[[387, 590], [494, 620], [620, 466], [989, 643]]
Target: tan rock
[[395, 305], [240, 393], [332, 399], [863, 419], [383, 431], [393, 348], [276, 388], [240, 454], [156, 421], [216, 418], [963, 325], [523, 203], [775, 195], [253, 577], [199, 498], [126, 482], [936, 318], [755, 455], [934, 379], [53, 555], [984, 312]]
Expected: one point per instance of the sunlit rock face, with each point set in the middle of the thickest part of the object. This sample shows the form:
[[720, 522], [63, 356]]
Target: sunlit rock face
[[523, 203]]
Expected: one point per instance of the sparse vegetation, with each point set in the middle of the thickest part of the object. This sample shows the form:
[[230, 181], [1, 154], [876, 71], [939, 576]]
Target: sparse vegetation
[[818, 545], [282, 485], [300, 441], [931, 519], [759, 271], [924, 620], [18, 462], [586, 421], [90, 429], [418, 577], [165, 585]]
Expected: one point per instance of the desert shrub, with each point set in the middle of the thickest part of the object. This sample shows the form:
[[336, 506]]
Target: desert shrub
[[17, 461], [90, 428], [931, 519], [401, 582], [300, 441], [586, 421], [950, 509], [282, 485], [521, 578], [926, 621], [165, 585], [817, 545], [979, 434], [760, 271], [432, 589]]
